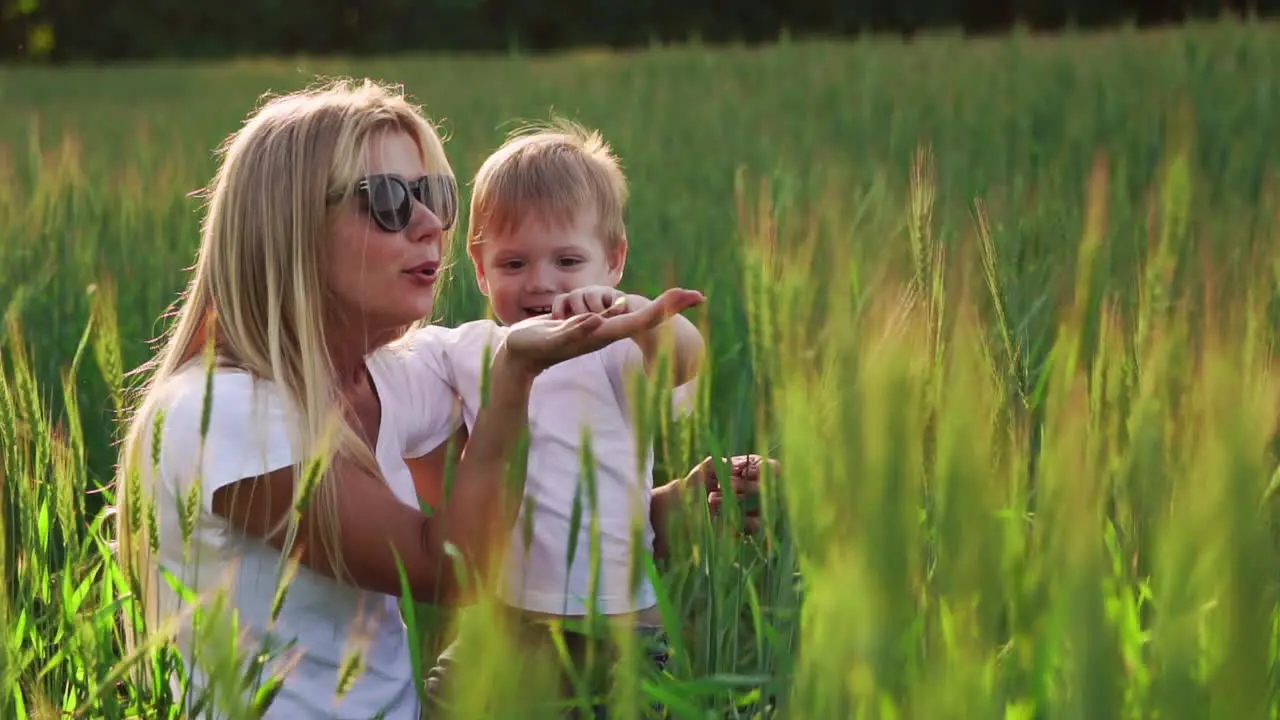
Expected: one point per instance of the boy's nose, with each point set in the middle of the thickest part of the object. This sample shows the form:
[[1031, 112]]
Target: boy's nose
[[538, 280]]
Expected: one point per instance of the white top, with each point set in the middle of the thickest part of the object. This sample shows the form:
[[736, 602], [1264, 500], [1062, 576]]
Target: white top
[[249, 435], [586, 393]]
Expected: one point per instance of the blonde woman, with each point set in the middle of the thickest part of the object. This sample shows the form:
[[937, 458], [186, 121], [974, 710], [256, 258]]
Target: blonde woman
[[294, 377]]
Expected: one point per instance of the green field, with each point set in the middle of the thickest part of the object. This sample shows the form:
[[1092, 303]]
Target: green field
[[1005, 310]]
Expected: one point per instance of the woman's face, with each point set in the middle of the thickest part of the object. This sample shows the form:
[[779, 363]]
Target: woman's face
[[383, 280]]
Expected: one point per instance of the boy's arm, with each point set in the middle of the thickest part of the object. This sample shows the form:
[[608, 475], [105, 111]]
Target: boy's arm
[[680, 334]]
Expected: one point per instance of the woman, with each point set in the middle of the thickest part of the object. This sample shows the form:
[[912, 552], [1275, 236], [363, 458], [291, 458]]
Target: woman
[[293, 379]]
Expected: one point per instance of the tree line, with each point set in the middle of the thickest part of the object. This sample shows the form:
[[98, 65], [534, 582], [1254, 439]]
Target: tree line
[[55, 31]]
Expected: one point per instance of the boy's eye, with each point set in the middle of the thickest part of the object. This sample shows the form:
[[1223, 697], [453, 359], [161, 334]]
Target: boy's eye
[[570, 261], [511, 264]]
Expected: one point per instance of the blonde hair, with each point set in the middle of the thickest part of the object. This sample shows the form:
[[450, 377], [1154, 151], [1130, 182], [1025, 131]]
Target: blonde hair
[[552, 172], [257, 296]]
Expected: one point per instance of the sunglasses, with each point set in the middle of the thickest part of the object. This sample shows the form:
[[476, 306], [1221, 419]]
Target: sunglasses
[[389, 199]]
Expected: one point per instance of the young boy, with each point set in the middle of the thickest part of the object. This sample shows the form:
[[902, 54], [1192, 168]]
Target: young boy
[[546, 236]]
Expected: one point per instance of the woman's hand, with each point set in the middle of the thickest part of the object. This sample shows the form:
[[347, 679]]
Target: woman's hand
[[539, 343]]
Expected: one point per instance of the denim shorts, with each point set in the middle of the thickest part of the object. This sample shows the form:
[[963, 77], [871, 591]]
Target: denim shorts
[[653, 640]]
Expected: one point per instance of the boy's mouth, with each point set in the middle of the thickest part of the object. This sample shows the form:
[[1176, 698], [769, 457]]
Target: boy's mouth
[[537, 310]]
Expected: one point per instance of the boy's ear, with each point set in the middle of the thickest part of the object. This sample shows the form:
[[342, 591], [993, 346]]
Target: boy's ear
[[618, 261], [481, 281]]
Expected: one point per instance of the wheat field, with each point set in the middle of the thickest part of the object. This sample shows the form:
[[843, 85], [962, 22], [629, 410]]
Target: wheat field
[[1005, 310]]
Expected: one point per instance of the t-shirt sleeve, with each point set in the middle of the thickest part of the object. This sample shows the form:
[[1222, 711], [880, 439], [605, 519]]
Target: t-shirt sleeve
[[420, 389], [239, 429], [625, 357]]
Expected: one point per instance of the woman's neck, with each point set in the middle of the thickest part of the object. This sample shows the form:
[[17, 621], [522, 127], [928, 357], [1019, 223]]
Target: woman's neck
[[347, 359], [348, 350]]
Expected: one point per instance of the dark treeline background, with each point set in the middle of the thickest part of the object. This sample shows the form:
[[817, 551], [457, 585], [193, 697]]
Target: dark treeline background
[[113, 30]]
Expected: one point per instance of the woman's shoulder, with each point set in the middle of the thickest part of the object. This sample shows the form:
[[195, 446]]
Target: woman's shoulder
[[415, 369], [196, 385], [438, 338], [416, 381], [439, 348], [221, 412]]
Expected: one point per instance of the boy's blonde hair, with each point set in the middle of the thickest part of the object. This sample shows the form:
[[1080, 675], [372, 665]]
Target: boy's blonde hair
[[553, 172]]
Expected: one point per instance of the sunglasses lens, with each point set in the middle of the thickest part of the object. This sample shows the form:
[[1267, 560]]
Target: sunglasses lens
[[390, 199], [389, 202]]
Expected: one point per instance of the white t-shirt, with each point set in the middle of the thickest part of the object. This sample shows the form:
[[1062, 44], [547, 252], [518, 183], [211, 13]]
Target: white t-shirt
[[249, 435], [584, 393]]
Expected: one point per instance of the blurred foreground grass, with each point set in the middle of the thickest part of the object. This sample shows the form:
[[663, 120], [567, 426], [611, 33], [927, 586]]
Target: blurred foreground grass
[[1005, 310]]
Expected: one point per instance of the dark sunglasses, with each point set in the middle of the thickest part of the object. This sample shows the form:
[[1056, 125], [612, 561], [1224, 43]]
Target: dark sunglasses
[[389, 199]]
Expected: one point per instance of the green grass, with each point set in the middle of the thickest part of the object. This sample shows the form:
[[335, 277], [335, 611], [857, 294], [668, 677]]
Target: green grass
[[1005, 310]]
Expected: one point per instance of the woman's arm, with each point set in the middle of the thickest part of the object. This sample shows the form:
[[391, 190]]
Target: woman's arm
[[375, 529], [482, 505]]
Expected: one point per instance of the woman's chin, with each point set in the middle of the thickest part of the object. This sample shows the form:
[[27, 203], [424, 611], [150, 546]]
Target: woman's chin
[[421, 311], [406, 315]]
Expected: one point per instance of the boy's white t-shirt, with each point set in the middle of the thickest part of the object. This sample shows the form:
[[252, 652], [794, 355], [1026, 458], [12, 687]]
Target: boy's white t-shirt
[[248, 435], [586, 392]]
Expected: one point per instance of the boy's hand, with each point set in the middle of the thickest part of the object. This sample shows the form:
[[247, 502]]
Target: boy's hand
[[744, 482], [540, 342], [609, 302], [591, 299]]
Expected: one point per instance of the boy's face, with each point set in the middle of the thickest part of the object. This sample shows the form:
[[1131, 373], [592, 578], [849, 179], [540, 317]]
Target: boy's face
[[521, 272]]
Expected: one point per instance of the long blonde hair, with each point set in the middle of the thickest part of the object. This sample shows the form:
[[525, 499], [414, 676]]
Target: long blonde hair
[[257, 297]]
